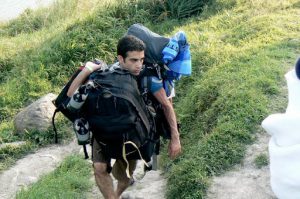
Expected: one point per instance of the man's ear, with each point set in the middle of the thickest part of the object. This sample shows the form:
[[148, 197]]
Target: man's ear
[[120, 59]]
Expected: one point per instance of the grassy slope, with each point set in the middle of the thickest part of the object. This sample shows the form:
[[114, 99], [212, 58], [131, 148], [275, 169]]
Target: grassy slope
[[240, 50], [25, 73], [241, 55]]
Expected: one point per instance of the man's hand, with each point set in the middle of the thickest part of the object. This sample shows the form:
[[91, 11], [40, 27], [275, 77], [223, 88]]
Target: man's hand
[[174, 148], [82, 76], [91, 66]]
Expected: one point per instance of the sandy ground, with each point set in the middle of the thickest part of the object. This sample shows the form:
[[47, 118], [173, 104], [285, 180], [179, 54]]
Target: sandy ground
[[151, 186], [245, 181]]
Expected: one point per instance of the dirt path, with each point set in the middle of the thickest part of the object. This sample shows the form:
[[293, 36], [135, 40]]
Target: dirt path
[[28, 169], [151, 185], [245, 181]]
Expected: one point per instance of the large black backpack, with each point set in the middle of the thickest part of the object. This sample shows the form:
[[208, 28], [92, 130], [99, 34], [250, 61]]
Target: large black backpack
[[118, 117]]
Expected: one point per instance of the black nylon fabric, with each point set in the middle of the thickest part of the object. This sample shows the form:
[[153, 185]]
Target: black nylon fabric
[[123, 85], [154, 42], [62, 100], [117, 113]]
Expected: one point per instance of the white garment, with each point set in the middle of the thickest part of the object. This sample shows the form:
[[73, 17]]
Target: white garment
[[284, 145]]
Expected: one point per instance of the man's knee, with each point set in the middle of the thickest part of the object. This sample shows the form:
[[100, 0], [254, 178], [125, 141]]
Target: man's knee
[[100, 169]]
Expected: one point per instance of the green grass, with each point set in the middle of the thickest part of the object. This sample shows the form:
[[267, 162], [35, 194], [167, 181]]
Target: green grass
[[11, 153], [240, 53], [261, 160], [70, 180], [28, 68]]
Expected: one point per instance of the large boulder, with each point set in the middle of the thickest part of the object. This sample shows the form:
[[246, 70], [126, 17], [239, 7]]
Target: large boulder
[[36, 116]]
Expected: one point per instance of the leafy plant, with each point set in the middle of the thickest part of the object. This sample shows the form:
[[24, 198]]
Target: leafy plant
[[261, 160], [9, 154], [162, 9]]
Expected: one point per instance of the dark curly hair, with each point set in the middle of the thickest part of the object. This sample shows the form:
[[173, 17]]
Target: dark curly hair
[[129, 43]]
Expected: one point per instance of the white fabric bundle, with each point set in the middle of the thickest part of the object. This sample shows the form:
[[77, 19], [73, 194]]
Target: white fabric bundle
[[284, 145], [285, 170], [284, 128]]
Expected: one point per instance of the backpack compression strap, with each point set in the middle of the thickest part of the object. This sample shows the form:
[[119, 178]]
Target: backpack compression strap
[[54, 127], [86, 156], [125, 159]]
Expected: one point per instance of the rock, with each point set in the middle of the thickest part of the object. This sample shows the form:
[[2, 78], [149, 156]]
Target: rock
[[30, 168], [12, 144], [37, 116]]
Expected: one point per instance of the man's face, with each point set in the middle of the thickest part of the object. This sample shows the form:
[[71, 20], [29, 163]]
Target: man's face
[[133, 62]]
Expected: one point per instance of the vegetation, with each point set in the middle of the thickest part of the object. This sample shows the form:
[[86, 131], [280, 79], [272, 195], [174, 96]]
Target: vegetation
[[240, 52], [261, 160], [70, 180]]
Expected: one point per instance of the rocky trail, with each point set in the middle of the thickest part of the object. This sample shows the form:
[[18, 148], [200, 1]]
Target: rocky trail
[[244, 181], [28, 170]]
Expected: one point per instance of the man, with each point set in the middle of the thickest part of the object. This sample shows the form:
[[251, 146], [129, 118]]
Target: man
[[130, 57]]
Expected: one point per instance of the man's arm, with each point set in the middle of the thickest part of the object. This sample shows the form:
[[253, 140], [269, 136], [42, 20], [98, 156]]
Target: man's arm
[[174, 145], [81, 77]]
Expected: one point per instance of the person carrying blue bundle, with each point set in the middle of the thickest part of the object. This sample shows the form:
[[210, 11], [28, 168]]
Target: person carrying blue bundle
[[155, 62], [171, 57]]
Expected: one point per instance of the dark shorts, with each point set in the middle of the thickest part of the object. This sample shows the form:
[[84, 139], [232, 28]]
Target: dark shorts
[[119, 167]]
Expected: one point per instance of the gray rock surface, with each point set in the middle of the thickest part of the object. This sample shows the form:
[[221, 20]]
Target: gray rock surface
[[36, 116], [12, 144], [28, 169]]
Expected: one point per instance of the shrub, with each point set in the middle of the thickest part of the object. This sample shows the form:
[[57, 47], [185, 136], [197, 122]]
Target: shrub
[[261, 160], [174, 9]]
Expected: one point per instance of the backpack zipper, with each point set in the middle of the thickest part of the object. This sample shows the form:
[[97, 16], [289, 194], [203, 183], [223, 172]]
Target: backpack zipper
[[97, 107], [115, 102]]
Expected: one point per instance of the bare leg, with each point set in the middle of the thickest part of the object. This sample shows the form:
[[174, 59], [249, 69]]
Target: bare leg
[[119, 172], [122, 186], [104, 181]]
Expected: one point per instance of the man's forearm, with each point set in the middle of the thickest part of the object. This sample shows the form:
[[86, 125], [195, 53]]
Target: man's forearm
[[174, 148], [171, 118], [81, 77], [169, 113]]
